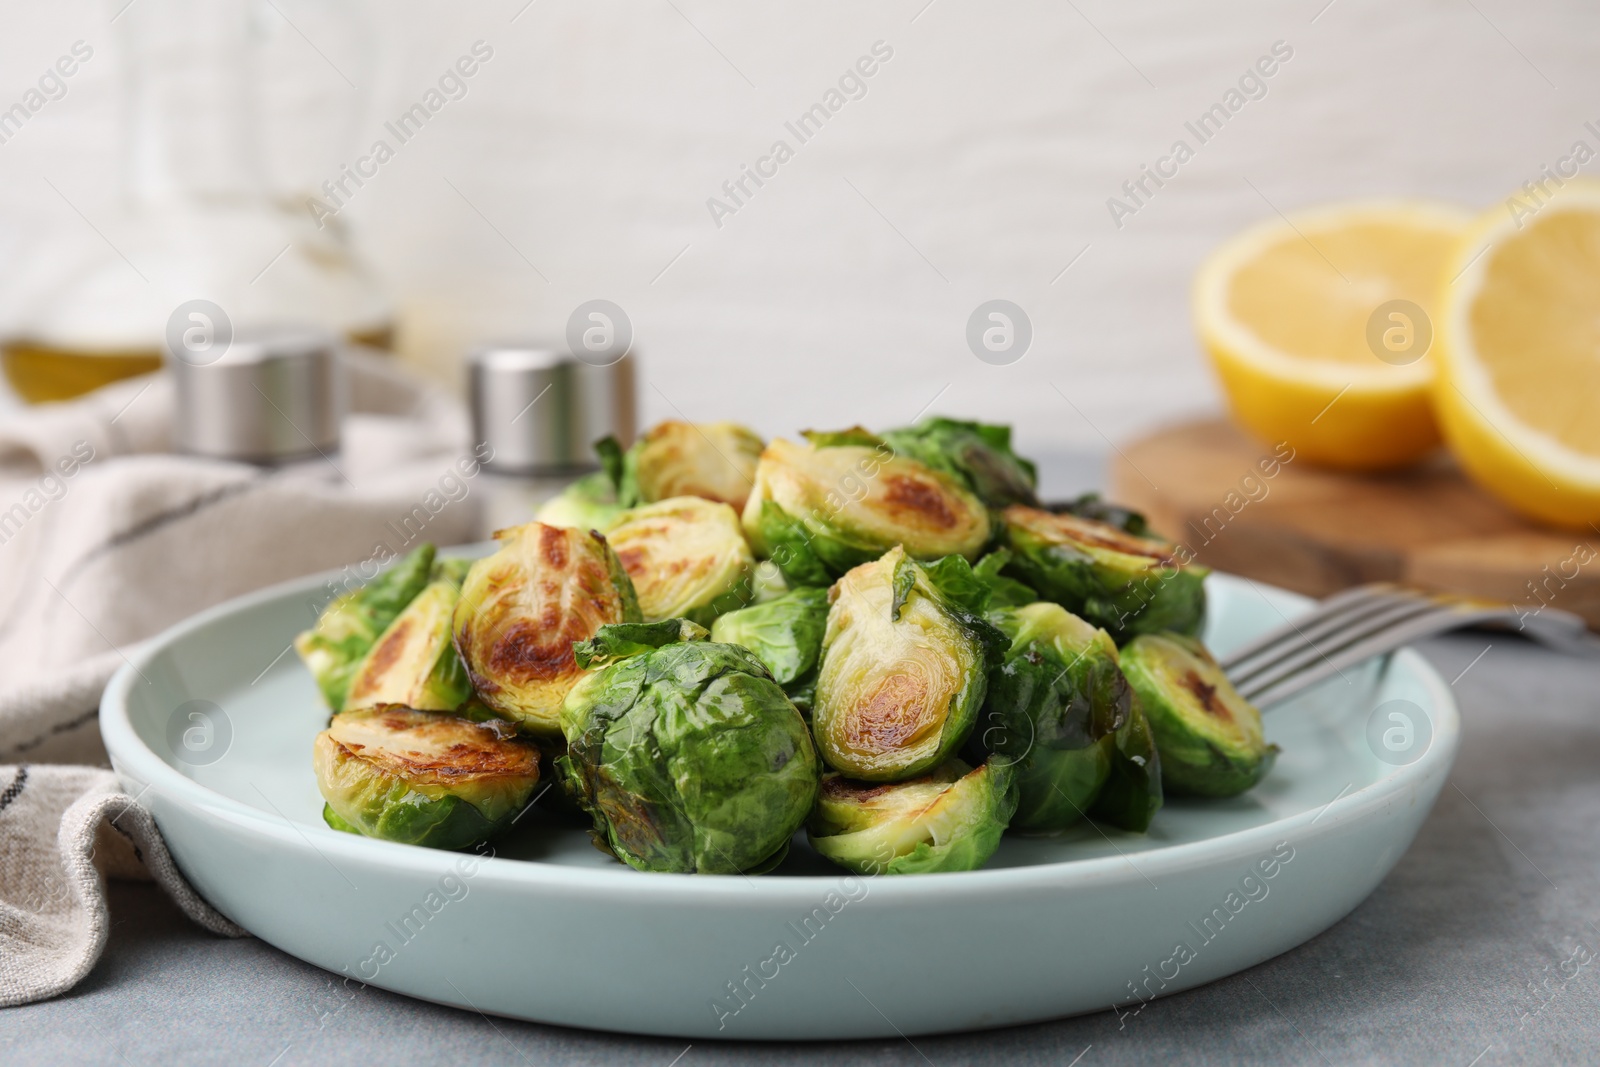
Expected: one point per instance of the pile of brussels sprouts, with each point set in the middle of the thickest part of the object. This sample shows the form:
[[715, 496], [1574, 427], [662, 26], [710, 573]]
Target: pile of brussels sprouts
[[714, 641]]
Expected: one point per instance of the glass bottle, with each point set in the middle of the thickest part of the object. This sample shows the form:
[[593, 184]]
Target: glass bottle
[[197, 220]]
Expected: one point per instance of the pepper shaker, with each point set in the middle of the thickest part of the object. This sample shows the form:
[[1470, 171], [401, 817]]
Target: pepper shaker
[[536, 413], [272, 397]]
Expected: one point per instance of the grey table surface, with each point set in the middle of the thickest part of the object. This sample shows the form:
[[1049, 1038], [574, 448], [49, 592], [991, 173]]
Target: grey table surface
[[1482, 947], [1457, 958]]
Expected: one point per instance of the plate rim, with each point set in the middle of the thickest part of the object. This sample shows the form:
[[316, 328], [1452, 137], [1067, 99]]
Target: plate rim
[[131, 756]]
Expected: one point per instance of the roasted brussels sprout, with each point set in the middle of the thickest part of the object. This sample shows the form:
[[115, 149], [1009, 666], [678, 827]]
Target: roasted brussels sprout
[[977, 453], [590, 503], [1122, 583], [1132, 793], [904, 664], [1209, 737], [950, 819], [714, 460], [452, 569], [687, 557], [817, 510], [685, 752], [786, 635], [767, 582], [332, 818], [422, 778], [522, 609], [1090, 506], [1052, 711], [349, 626], [980, 586], [414, 663], [555, 798]]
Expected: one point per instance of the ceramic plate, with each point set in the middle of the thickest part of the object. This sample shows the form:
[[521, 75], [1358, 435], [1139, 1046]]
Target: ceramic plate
[[211, 727]]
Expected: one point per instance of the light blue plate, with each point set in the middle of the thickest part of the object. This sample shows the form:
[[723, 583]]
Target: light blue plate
[[211, 727]]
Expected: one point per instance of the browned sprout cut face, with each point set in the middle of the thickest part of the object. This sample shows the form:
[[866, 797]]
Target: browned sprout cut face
[[713, 460], [1089, 533], [817, 511], [522, 609], [432, 749], [900, 683], [949, 819], [422, 778], [687, 558], [413, 662], [1121, 582], [1210, 738]]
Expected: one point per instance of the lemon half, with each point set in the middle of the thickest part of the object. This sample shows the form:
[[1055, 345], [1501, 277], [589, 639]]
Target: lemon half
[[1518, 392], [1287, 312]]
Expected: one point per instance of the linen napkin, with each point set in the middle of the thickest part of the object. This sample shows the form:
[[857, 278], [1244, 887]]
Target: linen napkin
[[63, 830], [105, 540]]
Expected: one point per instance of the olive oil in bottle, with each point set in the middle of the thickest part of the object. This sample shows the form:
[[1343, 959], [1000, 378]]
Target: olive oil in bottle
[[39, 371], [196, 221]]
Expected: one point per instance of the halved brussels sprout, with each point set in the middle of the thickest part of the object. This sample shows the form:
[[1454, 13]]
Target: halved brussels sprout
[[766, 582], [1132, 793], [349, 626], [1209, 737], [714, 460], [903, 671], [452, 569], [414, 663], [950, 819], [522, 609], [687, 557], [786, 635], [332, 818], [422, 778], [1053, 708], [977, 453], [556, 798], [1125, 584], [817, 510], [590, 503], [685, 752], [1091, 506]]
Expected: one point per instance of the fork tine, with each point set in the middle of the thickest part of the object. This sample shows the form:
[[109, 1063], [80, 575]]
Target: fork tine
[[1330, 639], [1330, 657], [1551, 626], [1373, 619], [1331, 614], [1334, 606], [1444, 616]]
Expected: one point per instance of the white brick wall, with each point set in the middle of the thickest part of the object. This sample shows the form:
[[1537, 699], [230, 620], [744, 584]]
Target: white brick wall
[[990, 141]]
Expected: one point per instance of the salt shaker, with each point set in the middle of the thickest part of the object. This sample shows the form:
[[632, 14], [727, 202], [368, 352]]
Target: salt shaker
[[273, 397], [536, 413]]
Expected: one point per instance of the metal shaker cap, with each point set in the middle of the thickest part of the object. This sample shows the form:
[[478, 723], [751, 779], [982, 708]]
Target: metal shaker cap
[[540, 410], [272, 396]]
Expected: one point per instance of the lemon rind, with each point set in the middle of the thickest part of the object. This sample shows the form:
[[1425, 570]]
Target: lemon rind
[[1464, 371]]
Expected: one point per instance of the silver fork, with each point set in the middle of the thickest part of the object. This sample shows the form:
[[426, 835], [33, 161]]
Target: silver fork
[[1370, 620]]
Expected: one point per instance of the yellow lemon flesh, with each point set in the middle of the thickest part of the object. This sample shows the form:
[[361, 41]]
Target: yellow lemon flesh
[[1320, 329], [1518, 393]]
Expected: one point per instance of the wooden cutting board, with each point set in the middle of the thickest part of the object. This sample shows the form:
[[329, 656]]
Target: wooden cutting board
[[1207, 485]]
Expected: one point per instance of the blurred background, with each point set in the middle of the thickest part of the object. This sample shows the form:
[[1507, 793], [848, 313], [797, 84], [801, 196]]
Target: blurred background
[[578, 160]]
